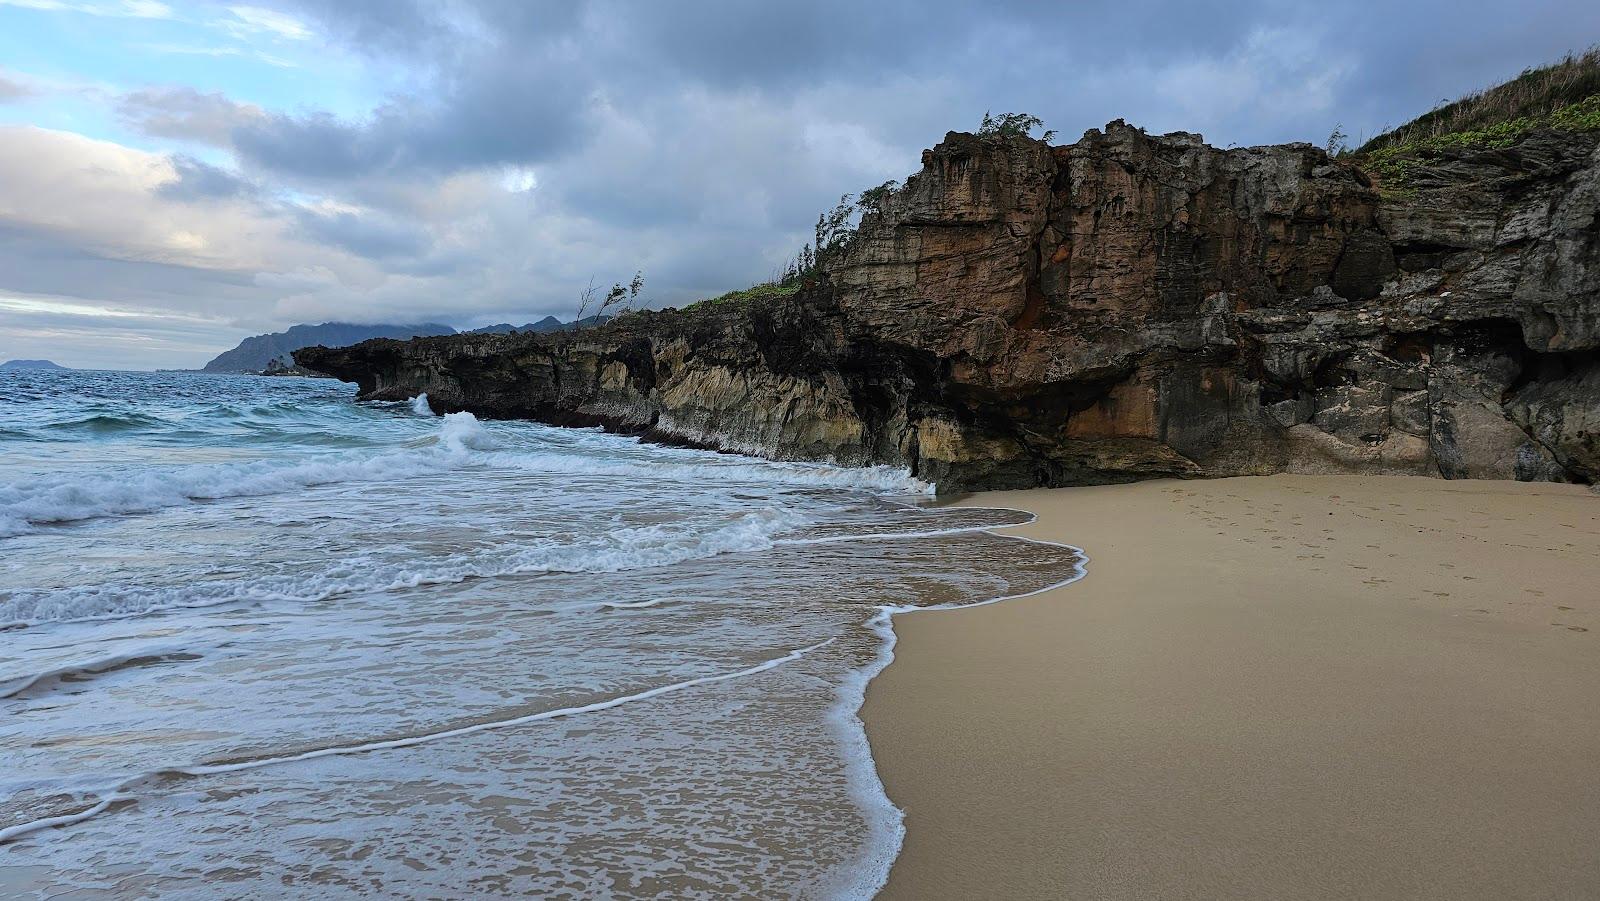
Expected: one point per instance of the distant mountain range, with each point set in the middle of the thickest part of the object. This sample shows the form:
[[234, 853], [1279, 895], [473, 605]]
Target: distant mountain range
[[255, 354], [547, 324], [30, 364]]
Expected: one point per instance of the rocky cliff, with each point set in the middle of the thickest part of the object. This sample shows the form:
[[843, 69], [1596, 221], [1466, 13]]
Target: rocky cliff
[[1123, 307]]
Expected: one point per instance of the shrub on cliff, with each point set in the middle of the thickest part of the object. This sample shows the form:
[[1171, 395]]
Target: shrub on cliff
[[1012, 125]]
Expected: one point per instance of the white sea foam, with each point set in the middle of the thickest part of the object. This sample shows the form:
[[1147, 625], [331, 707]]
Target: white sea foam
[[703, 466], [70, 498], [616, 550], [460, 441], [122, 789], [461, 432], [621, 605], [419, 405], [12, 686]]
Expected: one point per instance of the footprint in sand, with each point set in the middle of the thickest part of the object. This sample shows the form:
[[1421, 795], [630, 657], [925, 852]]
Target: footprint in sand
[[1441, 594], [1562, 607]]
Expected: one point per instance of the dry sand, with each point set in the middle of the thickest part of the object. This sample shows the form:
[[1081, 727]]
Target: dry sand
[[1287, 687]]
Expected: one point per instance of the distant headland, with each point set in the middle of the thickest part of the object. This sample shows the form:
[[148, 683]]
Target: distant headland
[[271, 353], [31, 364]]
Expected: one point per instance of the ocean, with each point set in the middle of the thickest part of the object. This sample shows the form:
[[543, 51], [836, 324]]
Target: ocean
[[259, 639]]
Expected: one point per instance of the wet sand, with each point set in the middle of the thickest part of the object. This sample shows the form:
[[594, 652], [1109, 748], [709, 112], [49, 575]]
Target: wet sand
[[1284, 687]]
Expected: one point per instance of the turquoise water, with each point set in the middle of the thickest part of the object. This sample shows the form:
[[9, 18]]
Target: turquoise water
[[257, 638]]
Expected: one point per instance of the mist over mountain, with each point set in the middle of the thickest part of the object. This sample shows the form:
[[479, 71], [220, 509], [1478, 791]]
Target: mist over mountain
[[547, 324]]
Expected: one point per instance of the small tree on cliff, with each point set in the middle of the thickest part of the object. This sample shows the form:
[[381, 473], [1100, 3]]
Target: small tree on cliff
[[835, 231], [1012, 125], [585, 298], [621, 298], [833, 228], [873, 199]]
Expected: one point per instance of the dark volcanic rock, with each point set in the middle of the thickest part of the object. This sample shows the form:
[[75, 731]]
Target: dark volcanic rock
[[1124, 307], [260, 351]]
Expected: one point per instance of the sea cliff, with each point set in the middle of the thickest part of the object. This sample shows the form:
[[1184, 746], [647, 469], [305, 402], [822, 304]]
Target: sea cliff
[[1123, 307]]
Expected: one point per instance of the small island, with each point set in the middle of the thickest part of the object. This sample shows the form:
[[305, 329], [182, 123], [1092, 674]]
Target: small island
[[32, 364]]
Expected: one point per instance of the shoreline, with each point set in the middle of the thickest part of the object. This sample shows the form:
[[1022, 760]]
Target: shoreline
[[1282, 686], [886, 819]]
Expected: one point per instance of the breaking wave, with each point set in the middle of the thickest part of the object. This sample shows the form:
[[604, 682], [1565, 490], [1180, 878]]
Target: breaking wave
[[616, 550], [461, 441], [72, 498]]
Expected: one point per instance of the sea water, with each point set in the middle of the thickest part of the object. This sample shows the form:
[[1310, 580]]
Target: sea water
[[259, 639]]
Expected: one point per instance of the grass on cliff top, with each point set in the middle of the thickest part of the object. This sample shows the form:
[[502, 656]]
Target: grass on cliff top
[[1535, 95], [1564, 96], [754, 294]]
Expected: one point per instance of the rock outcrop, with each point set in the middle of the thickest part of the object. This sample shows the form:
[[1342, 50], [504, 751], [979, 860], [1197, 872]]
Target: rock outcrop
[[1127, 306], [256, 353]]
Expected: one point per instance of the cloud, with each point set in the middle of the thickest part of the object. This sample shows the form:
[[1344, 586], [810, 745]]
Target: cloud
[[254, 20], [130, 9], [187, 114], [363, 232], [90, 336], [198, 181], [218, 52], [13, 89]]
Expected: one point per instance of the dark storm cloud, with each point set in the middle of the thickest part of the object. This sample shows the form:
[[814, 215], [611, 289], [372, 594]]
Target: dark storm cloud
[[517, 80], [499, 109]]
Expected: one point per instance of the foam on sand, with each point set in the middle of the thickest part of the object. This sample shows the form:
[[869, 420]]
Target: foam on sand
[[123, 790]]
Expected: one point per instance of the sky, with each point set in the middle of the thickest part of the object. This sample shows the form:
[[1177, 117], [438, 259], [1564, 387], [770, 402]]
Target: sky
[[176, 176]]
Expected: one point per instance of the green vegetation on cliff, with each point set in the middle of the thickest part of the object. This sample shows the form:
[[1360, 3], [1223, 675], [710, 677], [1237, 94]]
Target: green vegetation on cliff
[[1564, 96], [754, 294]]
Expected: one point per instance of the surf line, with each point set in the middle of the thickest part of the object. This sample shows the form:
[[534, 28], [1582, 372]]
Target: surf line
[[122, 791], [886, 830]]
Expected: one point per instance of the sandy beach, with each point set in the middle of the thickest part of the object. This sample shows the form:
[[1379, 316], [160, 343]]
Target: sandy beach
[[1279, 687]]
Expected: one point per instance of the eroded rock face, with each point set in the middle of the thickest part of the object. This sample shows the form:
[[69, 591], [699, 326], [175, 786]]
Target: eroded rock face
[[1124, 307]]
